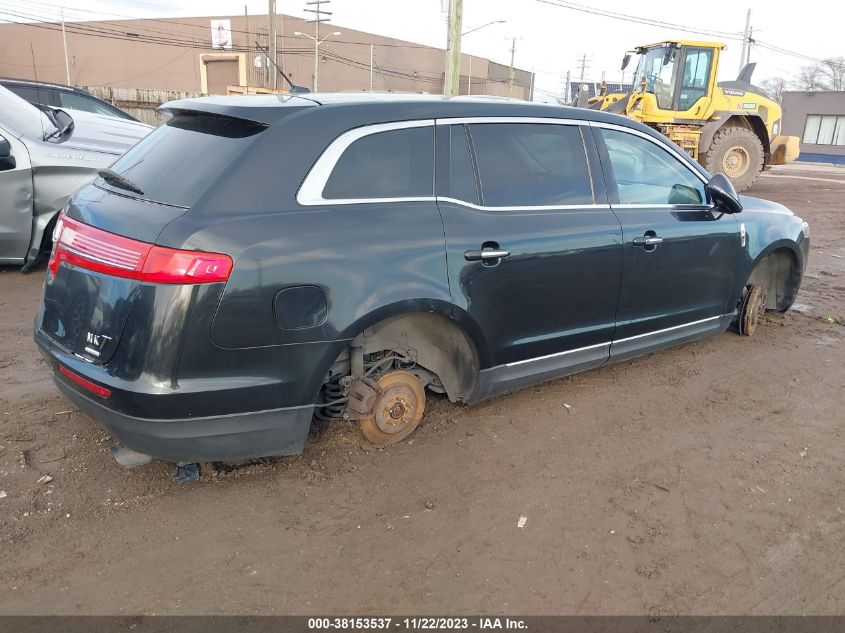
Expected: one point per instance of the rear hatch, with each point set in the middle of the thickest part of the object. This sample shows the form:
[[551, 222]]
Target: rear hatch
[[104, 244]]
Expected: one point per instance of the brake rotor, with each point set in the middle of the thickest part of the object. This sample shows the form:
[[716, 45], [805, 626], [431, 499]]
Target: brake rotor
[[753, 305], [398, 408]]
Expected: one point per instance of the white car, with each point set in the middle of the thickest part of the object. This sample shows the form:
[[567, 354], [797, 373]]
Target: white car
[[46, 154]]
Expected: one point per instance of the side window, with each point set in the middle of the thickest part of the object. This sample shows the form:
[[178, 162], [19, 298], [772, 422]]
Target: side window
[[33, 94], [647, 174], [694, 80], [74, 101], [461, 173], [531, 164], [392, 164]]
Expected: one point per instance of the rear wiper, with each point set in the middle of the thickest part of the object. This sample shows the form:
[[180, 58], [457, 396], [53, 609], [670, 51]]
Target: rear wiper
[[113, 178]]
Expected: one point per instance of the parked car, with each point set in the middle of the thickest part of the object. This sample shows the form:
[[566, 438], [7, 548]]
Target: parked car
[[45, 155], [258, 261], [64, 97]]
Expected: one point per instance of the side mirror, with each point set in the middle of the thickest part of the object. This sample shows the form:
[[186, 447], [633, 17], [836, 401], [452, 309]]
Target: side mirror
[[625, 61], [7, 161], [64, 122], [723, 194]]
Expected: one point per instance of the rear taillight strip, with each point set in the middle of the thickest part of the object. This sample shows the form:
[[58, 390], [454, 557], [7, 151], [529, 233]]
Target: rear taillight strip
[[85, 246], [82, 243], [103, 259]]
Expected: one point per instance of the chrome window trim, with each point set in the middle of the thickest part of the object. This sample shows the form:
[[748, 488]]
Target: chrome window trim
[[677, 207], [613, 342], [550, 207], [469, 120], [311, 191], [671, 149]]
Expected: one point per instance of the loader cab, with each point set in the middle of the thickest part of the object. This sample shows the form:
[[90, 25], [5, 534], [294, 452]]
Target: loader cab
[[680, 75]]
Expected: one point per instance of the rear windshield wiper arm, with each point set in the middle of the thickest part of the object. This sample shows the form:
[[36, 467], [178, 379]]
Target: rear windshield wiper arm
[[113, 178]]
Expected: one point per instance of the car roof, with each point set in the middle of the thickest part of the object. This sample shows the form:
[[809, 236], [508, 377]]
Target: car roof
[[383, 107], [41, 84]]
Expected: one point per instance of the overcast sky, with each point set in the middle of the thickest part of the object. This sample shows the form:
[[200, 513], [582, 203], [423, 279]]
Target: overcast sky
[[550, 39]]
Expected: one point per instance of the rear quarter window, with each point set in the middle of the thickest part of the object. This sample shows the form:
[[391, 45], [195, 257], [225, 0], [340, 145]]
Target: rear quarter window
[[390, 164], [180, 161]]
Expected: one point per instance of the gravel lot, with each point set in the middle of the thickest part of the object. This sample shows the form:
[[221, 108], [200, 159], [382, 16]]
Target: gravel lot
[[704, 479]]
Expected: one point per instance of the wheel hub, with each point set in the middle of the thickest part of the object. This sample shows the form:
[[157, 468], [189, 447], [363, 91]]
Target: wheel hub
[[735, 162], [397, 410]]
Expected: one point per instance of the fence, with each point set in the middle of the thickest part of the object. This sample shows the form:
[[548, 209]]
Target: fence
[[140, 103]]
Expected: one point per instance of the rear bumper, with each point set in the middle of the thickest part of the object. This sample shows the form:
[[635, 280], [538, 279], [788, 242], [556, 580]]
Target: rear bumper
[[221, 438], [191, 439]]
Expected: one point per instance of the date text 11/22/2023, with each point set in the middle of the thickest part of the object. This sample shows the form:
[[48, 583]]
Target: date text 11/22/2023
[[416, 623]]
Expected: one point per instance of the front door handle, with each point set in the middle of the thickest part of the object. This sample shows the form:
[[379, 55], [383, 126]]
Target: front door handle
[[648, 241], [485, 255]]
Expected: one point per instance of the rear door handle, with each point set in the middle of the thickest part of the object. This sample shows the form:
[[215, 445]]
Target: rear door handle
[[485, 255], [651, 240]]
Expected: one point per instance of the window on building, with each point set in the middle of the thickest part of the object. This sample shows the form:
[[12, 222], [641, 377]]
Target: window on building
[[392, 164], [824, 129], [527, 164]]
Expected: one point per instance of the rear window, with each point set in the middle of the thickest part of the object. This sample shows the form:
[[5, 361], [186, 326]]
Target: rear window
[[181, 160]]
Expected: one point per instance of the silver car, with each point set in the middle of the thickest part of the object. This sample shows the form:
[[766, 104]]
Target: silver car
[[45, 156]]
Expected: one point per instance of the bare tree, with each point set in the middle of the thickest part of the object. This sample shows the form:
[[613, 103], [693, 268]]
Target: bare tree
[[811, 78], [833, 71], [774, 87]]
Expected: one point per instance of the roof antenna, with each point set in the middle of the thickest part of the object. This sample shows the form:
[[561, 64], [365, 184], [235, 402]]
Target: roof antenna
[[35, 72], [293, 87]]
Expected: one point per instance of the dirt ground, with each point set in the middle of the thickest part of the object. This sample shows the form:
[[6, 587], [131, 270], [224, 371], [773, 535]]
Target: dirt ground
[[704, 479]]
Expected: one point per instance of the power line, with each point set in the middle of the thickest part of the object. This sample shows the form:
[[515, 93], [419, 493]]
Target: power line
[[566, 4]]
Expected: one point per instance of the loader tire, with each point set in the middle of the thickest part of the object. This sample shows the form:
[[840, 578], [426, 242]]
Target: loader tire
[[737, 153]]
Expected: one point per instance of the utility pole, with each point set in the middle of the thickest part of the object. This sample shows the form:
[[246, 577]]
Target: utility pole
[[271, 16], [584, 65], [371, 67], [64, 40], [248, 48], [750, 42], [746, 40], [318, 17], [452, 76], [567, 86], [511, 73]]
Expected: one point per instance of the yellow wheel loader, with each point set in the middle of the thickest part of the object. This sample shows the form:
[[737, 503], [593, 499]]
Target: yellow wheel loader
[[730, 126]]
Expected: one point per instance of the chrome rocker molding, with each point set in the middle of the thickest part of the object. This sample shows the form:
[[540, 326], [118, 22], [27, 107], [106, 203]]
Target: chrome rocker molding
[[503, 378]]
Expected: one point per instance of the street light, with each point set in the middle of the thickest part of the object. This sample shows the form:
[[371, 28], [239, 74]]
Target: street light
[[317, 42], [478, 28]]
